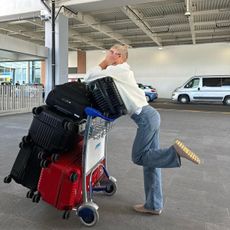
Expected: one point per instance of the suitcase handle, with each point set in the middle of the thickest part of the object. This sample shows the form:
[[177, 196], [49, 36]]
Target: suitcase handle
[[95, 113]]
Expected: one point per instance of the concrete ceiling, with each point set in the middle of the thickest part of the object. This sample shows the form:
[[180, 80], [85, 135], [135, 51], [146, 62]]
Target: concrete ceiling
[[137, 23]]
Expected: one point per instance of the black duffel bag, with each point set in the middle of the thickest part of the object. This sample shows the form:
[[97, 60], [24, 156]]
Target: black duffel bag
[[71, 98]]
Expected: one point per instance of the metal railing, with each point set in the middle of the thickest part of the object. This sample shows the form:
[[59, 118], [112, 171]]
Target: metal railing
[[19, 99]]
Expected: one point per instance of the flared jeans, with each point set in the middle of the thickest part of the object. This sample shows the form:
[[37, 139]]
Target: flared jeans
[[147, 153]]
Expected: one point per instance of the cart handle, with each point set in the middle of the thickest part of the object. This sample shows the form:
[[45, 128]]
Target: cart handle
[[95, 113]]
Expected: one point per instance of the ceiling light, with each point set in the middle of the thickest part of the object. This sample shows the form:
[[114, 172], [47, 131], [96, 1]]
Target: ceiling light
[[187, 14]]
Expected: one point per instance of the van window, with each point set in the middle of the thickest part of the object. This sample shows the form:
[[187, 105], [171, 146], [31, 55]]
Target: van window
[[212, 82], [194, 83], [226, 81]]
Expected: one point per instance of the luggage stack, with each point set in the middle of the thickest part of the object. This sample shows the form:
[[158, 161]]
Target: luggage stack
[[61, 160], [53, 132]]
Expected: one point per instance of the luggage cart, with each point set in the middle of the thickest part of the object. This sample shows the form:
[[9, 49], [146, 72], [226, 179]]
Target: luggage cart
[[94, 156]]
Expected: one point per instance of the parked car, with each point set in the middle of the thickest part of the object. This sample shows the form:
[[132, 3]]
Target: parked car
[[209, 88], [150, 92], [150, 88]]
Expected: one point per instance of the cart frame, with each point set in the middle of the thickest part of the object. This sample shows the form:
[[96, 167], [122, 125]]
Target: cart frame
[[96, 130]]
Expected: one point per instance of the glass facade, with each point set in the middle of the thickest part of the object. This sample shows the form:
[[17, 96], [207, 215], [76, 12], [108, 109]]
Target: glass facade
[[27, 72]]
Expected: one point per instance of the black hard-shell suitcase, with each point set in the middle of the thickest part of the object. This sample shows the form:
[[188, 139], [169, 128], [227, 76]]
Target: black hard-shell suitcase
[[107, 98], [70, 98], [26, 168], [52, 130]]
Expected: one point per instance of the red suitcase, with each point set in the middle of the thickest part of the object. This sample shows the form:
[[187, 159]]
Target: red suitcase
[[60, 184]]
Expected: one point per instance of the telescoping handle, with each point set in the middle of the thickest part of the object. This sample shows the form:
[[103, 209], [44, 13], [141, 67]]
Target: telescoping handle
[[95, 113]]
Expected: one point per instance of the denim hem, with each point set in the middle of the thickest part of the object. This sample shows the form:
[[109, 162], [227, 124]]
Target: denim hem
[[154, 209]]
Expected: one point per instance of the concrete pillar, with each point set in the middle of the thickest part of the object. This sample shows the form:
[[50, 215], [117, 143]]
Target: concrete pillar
[[61, 49], [48, 61], [61, 52], [43, 72], [81, 61], [27, 80]]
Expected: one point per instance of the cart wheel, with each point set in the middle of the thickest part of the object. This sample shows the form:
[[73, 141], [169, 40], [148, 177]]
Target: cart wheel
[[41, 155], [66, 215], [30, 194], [88, 215], [7, 179], [73, 177], [55, 157], [36, 198], [111, 187]]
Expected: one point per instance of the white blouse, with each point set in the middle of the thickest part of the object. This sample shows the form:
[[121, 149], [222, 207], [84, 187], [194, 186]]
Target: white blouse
[[132, 96]]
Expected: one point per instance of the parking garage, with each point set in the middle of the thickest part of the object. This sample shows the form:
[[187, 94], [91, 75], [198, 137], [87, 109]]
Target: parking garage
[[166, 48]]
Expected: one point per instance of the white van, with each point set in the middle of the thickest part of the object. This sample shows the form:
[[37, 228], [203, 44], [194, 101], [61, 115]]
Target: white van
[[215, 88]]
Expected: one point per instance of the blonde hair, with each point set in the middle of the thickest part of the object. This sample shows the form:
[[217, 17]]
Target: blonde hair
[[122, 49]]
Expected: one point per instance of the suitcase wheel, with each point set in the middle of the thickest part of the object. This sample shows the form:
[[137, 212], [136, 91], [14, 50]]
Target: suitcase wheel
[[44, 163], [41, 155], [30, 194], [34, 110], [26, 139], [88, 215], [37, 110], [22, 145], [66, 215], [36, 198], [55, 157], [73, 177], [68, 126], [7, 179]]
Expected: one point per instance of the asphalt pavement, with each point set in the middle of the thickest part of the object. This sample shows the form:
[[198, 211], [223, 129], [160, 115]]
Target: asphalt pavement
[[195, 197]]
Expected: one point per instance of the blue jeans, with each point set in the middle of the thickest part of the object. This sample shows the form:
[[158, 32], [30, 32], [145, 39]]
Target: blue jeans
[[147, 153]]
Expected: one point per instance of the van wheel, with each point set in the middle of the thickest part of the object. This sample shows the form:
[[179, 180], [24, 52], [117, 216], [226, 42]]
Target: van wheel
[[226, 100], [184, 99]]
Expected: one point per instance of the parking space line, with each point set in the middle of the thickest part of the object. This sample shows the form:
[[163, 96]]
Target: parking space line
[[195, 111]]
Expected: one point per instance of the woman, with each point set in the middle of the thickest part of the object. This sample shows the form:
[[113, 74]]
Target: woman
[[146, 149]]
